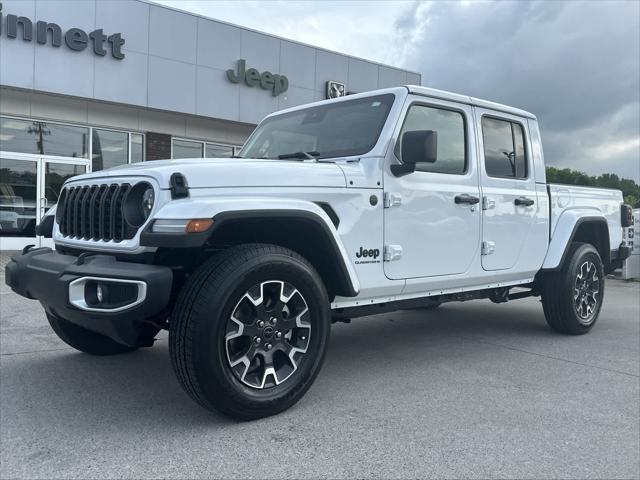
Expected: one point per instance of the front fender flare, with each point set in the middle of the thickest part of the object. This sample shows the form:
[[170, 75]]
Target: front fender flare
[[222, 210]]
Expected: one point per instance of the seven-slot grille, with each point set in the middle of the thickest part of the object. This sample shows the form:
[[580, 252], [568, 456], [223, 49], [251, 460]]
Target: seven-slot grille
[[95, 212]]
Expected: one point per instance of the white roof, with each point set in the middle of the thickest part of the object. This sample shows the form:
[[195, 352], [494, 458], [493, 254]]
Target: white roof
[[423, 91], [456, 97]]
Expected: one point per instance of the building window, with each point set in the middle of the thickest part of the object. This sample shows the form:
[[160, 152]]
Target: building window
[[109, 149], [219, 151], [186, 149], [504, 154], [43, 138], [137, 147], [183, 148], [450, 130]]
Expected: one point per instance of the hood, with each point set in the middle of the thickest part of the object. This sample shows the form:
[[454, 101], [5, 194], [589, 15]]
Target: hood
[[232, 172]]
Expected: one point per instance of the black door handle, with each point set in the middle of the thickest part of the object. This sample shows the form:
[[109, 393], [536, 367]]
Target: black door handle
[[464, 198], [523, 201]]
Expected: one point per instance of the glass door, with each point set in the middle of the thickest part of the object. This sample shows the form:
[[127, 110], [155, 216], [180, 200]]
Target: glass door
[[18, 201], [53, 174], [29, 186]]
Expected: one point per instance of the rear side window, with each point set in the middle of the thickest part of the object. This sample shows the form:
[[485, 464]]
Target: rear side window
[[450, 129], [504, 152]]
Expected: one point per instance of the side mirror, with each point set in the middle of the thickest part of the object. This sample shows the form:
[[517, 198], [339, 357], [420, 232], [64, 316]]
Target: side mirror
[[419, 146]]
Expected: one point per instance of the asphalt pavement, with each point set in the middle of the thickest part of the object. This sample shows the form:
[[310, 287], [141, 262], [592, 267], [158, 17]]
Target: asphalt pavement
[[471, 390]]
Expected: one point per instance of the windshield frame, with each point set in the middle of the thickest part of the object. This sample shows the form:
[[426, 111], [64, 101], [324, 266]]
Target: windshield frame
[[297, 111]]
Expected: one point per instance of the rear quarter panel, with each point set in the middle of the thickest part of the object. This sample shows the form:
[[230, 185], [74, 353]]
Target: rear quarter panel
[[570, 203]]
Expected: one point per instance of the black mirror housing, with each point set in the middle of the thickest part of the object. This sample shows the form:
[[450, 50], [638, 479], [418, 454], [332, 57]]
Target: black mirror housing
[[420, 146]]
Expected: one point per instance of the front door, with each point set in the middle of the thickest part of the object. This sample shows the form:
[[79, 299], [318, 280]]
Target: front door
[[29, 186], [432, 216]]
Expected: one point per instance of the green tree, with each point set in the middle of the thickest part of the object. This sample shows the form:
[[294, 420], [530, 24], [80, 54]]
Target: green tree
[[630, 189]]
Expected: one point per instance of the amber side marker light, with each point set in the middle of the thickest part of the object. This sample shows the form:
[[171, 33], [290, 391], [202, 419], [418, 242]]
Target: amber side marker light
[[198, 225]]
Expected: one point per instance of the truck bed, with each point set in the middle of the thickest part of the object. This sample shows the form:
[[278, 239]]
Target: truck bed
[[598, 201]]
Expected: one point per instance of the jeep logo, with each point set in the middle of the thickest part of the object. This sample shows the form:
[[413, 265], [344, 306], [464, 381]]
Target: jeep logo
[[266, 80], [372, 252]]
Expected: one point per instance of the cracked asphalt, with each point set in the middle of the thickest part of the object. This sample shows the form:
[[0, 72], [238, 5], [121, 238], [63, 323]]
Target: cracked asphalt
[[473, 390]]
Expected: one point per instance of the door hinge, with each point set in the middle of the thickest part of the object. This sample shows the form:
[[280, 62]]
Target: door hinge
[[392, 199], [488, 204], [488, 247], [392, 252]]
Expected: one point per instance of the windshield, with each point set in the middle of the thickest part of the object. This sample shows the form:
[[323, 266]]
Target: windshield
[[337, 129]]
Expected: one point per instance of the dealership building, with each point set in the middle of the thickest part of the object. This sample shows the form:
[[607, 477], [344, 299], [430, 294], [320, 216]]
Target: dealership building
[[88, 85]]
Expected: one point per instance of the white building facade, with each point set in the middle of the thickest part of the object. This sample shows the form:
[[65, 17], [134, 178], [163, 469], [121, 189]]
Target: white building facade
[[99, 83]]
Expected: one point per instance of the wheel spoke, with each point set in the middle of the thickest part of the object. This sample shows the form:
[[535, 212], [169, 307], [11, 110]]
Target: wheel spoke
[[268, 334], [241, 364], [586, 289]]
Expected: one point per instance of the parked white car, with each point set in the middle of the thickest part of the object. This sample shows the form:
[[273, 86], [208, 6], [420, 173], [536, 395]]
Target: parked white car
[[399, 198]]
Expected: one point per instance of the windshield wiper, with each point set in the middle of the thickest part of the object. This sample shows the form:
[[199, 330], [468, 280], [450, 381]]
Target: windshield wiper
[[300, 155]]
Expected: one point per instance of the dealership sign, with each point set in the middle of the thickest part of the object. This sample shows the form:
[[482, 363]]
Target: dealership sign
[[253, 78], [335, 89], [75, 38]]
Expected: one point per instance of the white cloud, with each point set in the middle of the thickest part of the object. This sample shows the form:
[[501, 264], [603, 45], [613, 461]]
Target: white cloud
[[360, 29], [576, 64]]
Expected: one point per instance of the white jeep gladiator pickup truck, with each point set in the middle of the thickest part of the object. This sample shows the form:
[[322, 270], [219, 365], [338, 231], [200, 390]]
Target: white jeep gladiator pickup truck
[[399, 198]]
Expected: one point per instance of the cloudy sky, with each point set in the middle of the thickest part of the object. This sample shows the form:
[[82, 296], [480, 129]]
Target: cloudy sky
[[575, 64]]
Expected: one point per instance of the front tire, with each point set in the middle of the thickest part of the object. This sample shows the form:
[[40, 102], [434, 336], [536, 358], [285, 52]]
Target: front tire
[[572, 297], [250, 331]]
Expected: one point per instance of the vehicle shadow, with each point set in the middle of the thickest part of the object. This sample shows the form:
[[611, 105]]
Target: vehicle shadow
[[139, 389]]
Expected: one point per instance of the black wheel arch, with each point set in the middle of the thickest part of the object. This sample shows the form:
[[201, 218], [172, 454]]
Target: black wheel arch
[[592, 230], [306, 233]]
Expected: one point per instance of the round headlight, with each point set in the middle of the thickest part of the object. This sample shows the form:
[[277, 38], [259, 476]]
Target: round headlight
[[138, 204], [148, 198]]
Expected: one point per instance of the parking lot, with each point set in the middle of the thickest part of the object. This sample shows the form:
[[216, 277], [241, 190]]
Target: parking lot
[[470, 390]]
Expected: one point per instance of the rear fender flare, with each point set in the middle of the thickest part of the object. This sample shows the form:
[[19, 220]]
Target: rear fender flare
[[565, 232]]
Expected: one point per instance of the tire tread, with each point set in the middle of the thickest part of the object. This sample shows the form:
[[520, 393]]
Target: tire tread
[[558, 312], [210, 277]]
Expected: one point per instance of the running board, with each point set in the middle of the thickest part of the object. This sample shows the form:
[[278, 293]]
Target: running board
[[342, 314]]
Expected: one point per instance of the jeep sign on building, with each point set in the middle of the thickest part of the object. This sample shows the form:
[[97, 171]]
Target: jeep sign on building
[[88, 85]]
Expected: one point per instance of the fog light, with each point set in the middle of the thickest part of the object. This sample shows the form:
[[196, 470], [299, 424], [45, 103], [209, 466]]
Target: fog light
[[99, 293], [96, 294]]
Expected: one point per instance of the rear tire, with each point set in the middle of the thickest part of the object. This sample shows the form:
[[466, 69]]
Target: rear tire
[[85, 340], [572, 297], [250, 330]]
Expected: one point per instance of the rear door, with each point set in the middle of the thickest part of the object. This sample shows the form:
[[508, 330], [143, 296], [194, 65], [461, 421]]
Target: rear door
[[509, 209], [432, 216]]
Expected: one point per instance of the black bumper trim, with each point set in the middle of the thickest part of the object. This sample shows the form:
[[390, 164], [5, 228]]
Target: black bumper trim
[[624, 252], [45, 275], [618, 257]]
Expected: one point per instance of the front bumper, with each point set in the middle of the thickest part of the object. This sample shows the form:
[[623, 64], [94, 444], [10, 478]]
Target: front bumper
[[47, 276]]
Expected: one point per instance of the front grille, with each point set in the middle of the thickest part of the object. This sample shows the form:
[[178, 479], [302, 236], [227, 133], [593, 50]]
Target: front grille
[[94, 212]]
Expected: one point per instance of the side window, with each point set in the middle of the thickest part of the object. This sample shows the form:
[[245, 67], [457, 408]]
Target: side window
[[449, 127], [504, 152]]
